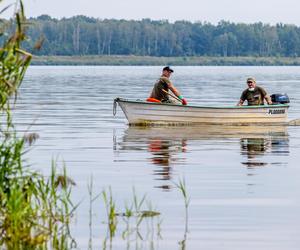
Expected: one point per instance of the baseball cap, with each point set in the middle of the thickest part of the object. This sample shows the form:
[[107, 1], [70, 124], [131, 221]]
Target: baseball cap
[[168, 69], [251, 79]]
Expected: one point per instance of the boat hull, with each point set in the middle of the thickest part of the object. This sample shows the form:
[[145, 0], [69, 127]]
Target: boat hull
[[145, 113]]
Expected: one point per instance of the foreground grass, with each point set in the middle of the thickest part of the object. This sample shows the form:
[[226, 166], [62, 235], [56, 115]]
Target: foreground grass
[[35, 210], [180, 61]]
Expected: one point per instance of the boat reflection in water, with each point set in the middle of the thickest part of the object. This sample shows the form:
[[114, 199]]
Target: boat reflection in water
[[168, 145]]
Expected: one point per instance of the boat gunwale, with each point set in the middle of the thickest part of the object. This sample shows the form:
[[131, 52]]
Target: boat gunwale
[[203, 107]]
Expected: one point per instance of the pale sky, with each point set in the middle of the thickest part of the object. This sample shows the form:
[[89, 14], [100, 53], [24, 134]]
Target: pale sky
[[246, 11]]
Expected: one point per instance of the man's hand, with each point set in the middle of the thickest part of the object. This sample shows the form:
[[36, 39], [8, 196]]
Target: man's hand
[[269, 100], [183, 101], [240, 103]]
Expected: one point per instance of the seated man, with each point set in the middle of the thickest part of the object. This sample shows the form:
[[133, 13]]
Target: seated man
[[254, 94], [161, 88]]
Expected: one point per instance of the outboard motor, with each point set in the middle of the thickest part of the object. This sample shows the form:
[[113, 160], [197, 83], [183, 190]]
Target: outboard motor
[[280, 98]]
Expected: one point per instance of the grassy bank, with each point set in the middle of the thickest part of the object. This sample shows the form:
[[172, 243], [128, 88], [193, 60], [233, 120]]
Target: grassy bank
[[180, 61]]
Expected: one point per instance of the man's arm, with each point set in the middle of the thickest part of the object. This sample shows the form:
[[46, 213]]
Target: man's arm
[[242, 98], [266, 96], [177, 93], [268, 99], [174, 90]]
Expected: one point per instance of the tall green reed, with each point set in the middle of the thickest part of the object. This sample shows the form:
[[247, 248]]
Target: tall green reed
[[14, 61], [138, 216], [183, 189], [35, 210]]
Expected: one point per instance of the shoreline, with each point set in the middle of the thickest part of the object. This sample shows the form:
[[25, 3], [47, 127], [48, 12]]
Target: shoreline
[[120, 60]]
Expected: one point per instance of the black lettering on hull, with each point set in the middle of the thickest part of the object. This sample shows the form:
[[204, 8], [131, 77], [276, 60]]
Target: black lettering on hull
[[276, 111]]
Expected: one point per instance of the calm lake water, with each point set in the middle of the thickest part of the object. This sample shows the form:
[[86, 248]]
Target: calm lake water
[[243, 182]]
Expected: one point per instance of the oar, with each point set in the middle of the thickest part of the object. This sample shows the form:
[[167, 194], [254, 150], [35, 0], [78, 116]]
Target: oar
[[174, 96], [295, 122]]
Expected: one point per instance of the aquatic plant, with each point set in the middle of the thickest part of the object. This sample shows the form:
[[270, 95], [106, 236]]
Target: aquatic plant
[[182, 188], [92, 199], [137, 211], [14, 61], [35, 210], [111, 213]]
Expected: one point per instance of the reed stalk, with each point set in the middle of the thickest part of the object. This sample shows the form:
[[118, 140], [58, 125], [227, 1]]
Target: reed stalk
[[182, 188], [133, 215], [35, 211]]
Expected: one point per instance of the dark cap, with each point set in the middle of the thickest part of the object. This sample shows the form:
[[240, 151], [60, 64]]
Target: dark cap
[[168, 69]]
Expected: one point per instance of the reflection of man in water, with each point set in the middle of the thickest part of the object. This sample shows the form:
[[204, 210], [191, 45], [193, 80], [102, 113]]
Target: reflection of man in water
[[162, 151], [161, 156], [253, 147]]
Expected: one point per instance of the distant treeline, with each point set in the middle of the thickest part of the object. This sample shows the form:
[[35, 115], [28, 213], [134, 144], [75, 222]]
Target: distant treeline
[[118, 60], [81, 35]]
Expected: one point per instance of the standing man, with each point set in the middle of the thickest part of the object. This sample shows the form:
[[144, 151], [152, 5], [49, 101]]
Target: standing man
[[254, 94], [162, 86]]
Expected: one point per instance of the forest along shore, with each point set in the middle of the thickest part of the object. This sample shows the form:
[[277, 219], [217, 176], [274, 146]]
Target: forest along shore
[[152, 60], [82, 40]]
